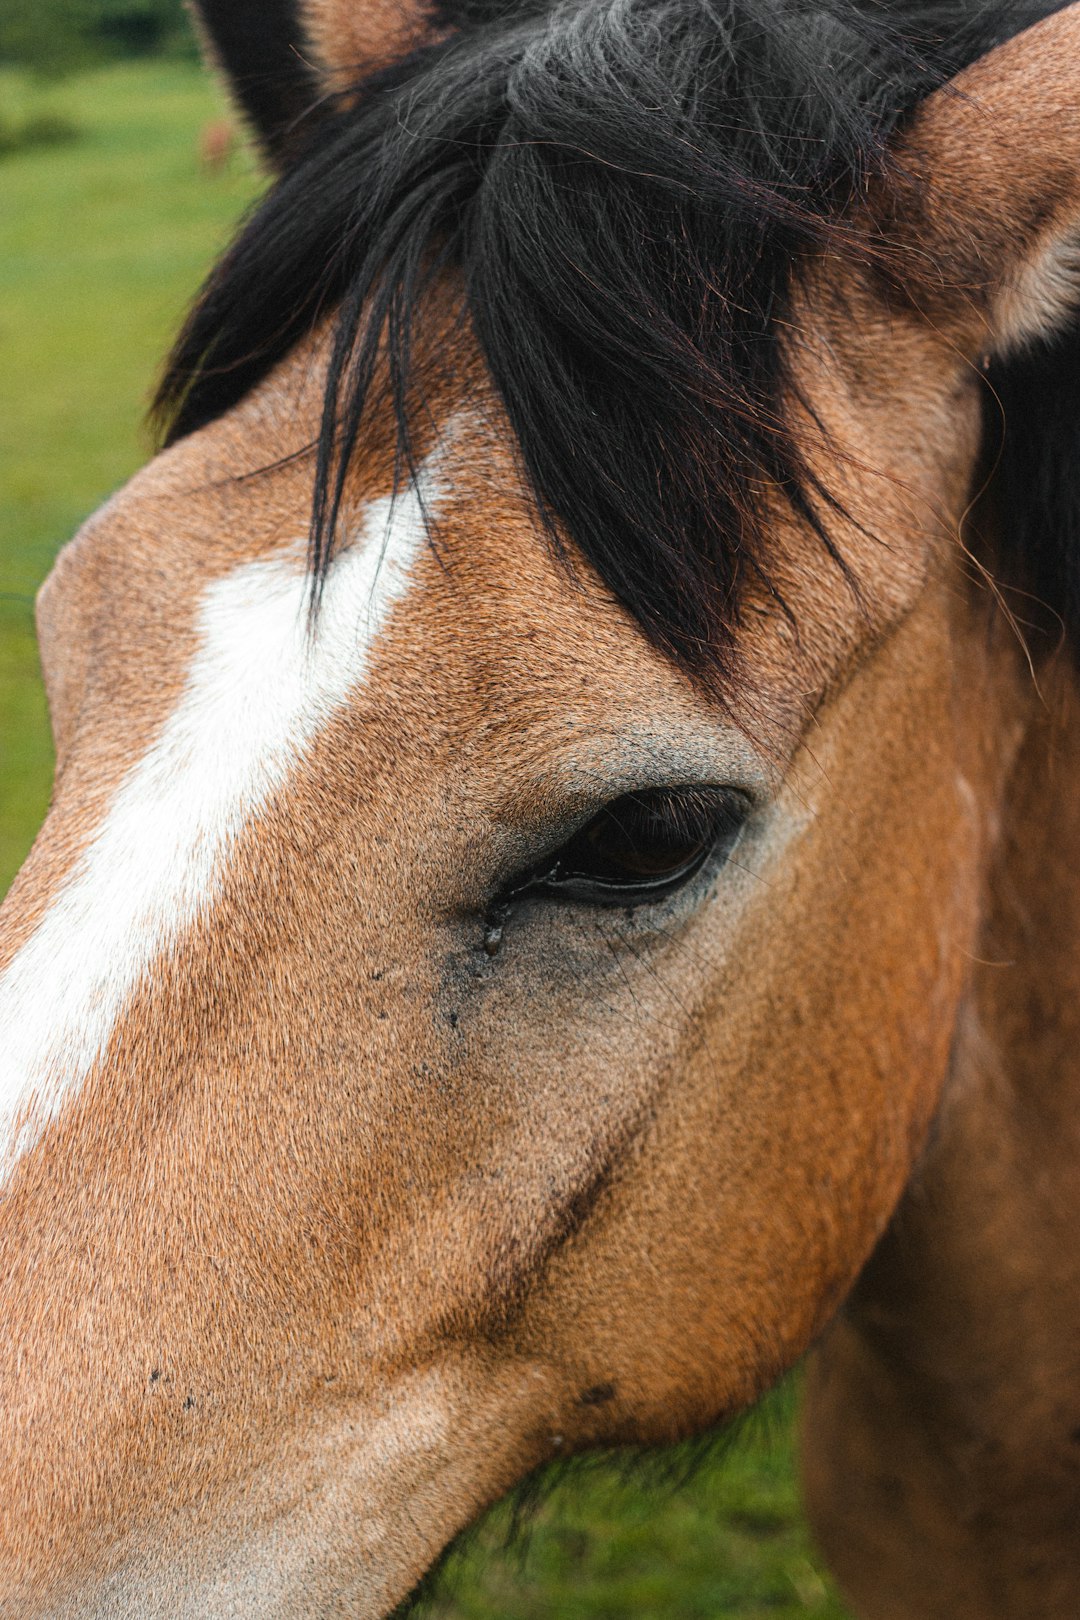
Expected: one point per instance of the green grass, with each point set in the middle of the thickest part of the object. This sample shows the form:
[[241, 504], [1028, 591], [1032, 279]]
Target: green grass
[[101, 245]]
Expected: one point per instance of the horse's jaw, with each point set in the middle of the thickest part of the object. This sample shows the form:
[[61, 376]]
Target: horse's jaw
[[362, 1504]]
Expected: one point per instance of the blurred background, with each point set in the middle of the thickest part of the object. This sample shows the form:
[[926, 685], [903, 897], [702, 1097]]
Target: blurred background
[[122, 173]]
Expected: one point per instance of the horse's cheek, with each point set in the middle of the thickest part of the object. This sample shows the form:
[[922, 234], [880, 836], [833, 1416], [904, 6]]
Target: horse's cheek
[[777, 1147]]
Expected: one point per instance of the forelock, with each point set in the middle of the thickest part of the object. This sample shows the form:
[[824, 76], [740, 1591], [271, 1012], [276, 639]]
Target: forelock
[[623, 191]]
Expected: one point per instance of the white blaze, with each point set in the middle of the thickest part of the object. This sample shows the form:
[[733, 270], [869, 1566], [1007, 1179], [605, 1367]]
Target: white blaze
[[259, 689]]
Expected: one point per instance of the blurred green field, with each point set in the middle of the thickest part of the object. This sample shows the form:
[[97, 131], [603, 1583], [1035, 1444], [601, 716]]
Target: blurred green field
[[102, 242]]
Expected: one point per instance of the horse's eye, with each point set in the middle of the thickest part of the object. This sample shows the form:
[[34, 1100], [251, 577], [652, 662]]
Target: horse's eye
[[641, 847]]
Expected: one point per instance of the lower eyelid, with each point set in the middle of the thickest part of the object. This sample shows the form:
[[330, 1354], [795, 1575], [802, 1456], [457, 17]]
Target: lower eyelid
[[584, 891]]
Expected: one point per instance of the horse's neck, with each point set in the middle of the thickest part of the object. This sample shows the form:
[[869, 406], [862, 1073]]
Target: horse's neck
[[943, 1427]]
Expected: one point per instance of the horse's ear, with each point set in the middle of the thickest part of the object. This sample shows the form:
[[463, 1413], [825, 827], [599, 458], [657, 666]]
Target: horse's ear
[[280, 57], [988, 192], [985, 210], [351, 38], [259, 48]]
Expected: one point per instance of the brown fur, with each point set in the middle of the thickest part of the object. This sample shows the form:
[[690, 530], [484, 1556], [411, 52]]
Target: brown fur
[[349, 41], [329, 1250]]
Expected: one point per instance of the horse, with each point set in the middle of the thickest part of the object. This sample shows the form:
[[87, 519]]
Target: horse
[[559, 895], [216, 141]]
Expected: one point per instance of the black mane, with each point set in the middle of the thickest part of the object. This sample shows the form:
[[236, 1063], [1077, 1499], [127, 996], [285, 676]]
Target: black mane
[[625, 189]]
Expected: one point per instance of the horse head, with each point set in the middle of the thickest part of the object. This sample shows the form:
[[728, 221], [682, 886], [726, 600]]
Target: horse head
[[504, 930]]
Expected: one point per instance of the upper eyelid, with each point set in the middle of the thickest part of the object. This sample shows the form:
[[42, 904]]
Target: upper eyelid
[[567, 835]]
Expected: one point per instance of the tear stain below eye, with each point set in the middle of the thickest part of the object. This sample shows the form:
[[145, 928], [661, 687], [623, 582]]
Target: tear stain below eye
[[494, 926]]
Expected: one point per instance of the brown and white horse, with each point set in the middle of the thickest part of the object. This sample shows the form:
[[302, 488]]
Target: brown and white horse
[[447, 1020]]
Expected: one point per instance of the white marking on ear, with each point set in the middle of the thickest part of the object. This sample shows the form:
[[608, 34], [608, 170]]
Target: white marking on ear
[[259, 689]]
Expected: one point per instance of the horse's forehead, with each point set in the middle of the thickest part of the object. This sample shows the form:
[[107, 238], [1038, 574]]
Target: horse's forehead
[[211, 540], [489, 605]]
